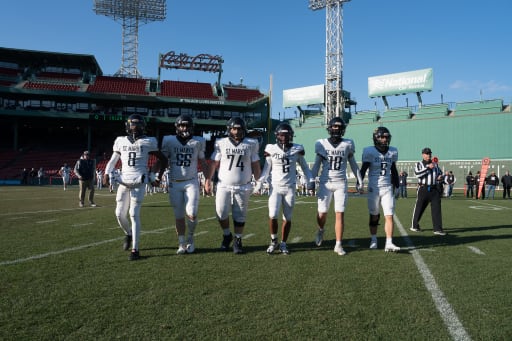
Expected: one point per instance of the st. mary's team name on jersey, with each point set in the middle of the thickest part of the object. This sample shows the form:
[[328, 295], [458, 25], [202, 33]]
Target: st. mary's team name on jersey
[[283, 164], [134, 156], [334, 158], [379, 172], [183, 157], [235, 160]]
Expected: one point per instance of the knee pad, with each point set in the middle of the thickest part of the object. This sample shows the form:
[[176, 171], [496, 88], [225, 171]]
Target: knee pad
[[374, 220]]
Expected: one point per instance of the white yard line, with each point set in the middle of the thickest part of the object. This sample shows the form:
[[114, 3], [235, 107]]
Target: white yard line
[[76, 248], [476, 250], [448, 314]]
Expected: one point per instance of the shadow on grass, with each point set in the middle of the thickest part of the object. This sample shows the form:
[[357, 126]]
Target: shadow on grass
[[457, 236]]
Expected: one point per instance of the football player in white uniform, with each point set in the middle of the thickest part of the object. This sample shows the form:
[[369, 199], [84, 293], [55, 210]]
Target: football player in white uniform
[[236, 158], [185, 153], [65, 172], [133, 150], [281, 161], [380, 161], [332, 155]]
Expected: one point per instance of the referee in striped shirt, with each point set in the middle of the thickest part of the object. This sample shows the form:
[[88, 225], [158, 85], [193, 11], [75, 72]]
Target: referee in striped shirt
[[430, 179]]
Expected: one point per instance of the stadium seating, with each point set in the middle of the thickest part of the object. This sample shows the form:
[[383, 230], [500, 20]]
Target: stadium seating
[[479, 107], [187, 90], [396, 114], [434, 110], [119, 85], [40, 85], [364, 117], [241, 94]]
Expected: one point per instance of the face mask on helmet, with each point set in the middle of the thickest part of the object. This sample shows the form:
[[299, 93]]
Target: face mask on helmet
[[135, 126], [236, 129], [184, 126], [381, 139], [336, 128], [284, 134]]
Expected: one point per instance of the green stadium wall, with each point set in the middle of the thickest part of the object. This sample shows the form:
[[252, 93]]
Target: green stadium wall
[[460, 141]]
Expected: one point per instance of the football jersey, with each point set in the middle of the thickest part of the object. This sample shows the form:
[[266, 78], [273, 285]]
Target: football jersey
[[65, 171], [134, 156], [379, 171], [334, 159], [235, 160], [283, 164], [183, 157]]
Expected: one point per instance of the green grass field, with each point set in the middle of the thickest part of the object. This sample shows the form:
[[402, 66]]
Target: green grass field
[[64, 275]]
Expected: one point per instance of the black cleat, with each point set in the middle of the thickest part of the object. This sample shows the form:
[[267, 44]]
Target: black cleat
[[226, 242], [237, 246], [134, 255]]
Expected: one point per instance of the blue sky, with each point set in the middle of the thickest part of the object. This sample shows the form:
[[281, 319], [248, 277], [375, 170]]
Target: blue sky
[[466, 43]]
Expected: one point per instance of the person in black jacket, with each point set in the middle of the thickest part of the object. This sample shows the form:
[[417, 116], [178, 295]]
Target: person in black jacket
[[430, 188], [85, 170], [506, 180], [470, 184], [492, 181]]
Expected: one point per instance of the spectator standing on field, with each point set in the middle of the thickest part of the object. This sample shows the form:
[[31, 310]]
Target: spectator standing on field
[[470, 184], [32, 174], [40, 176], [450, 181], [85, 170], [506, 181], [402, 184], [24, 176], [492, 182]]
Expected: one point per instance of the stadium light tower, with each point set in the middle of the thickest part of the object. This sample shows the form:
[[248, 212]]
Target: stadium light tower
[[131, 13], [334, 98]]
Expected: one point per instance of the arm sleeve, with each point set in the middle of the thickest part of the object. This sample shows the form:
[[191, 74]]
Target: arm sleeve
[[109, 168]]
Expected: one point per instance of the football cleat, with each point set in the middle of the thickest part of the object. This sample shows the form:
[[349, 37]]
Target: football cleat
[[339, 250], [440, 233], [237, 246], [415, 229], [373, 245], [283, 249], [390, 247], [226, 241], [134, 255], [181, 250], [319, 238], [272, 247], [190, 245]]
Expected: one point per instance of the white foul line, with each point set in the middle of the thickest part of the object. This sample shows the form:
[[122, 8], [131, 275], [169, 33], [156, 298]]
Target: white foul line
[[76, 248], [450, 318]]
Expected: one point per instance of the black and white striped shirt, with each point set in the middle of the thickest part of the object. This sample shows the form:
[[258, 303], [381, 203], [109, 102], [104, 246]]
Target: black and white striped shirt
[[425, 175]]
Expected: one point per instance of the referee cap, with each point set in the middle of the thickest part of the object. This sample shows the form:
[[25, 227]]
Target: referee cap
[[426, 150]]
